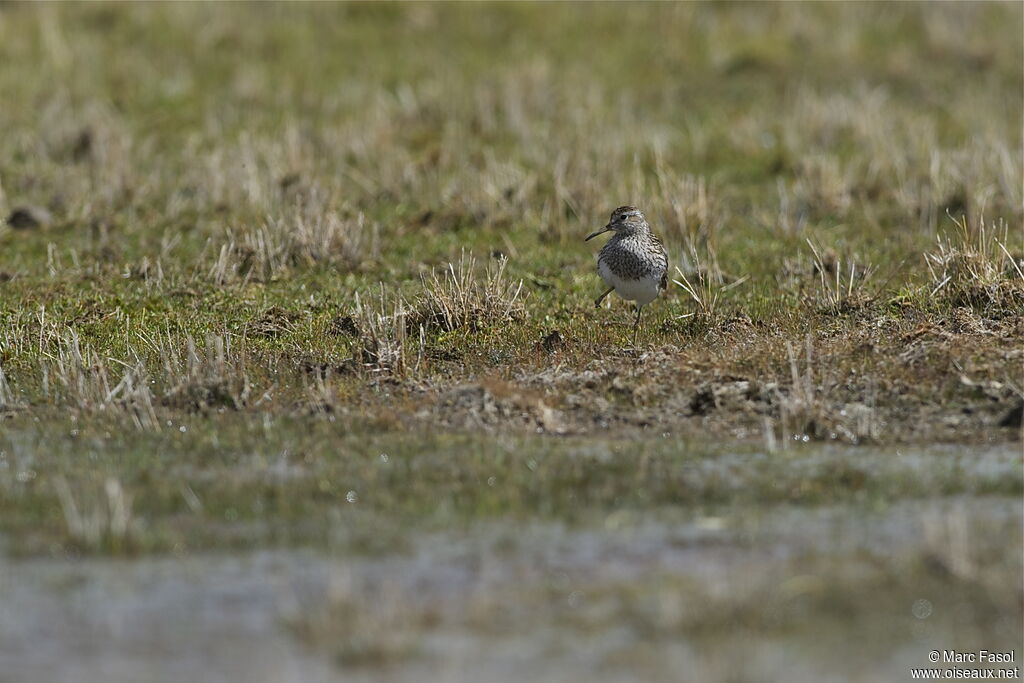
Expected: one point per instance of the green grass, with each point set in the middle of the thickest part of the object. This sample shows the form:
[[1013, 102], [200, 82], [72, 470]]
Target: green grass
[[244, 193], [284, 240]]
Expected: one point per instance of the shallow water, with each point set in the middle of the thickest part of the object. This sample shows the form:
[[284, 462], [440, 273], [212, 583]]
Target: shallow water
[[743, 595]]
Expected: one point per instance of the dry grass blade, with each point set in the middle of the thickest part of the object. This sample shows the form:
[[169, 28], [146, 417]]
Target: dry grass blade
[[841, 286], [217, 378], [85, 381], [382, 322], [694, 213], [703, 293], [319, 396], [461, 298], [315, 234], [135, 398], [706, 286], [973, 267]]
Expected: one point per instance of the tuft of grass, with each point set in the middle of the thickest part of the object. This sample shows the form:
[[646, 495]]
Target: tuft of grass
[[974, 267], [313, 236], [244, 209], [705, 286], [85, 380], [695, 213], [214, 378], [461, 298], [842, 286], [382, 320]]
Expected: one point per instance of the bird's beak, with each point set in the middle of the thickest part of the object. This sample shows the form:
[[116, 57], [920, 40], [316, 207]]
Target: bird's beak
[[595, 234]]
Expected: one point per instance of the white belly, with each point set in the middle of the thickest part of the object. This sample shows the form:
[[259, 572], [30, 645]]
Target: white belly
[[642, 291]]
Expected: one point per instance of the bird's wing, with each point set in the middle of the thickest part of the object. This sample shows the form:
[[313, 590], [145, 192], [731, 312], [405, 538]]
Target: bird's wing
[[664, 263]]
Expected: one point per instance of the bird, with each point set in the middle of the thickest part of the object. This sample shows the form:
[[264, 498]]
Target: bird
[[633, 263]]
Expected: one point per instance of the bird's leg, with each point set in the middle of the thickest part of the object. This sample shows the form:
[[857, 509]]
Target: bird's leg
[[598, 300], [636, 323]]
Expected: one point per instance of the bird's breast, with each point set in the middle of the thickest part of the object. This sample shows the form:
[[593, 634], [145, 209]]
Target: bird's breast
[[642, 289]]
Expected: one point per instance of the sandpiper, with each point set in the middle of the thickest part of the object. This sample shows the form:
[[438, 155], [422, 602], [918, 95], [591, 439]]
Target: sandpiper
[[633, 263]]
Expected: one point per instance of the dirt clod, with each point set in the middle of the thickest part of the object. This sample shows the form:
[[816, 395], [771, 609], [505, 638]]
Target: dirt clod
[[29, 218], [553, 341], [1014, 418], [344, 326], [475, 406]]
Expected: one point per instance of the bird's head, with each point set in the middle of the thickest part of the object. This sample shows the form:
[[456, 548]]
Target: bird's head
[[624, 220]]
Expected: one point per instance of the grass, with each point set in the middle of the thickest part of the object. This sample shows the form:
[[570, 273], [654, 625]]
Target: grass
[[399, 248], [256, 268], [173, 218]]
